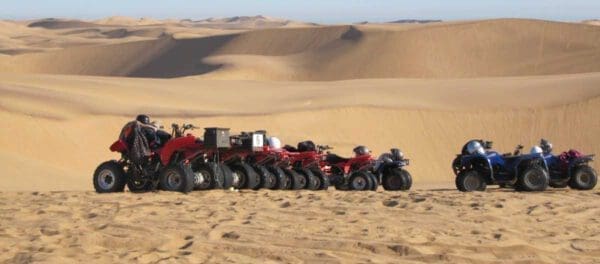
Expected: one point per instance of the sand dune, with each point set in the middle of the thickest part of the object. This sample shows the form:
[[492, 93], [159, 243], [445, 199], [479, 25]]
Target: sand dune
[[428, 119], [52, 23], [66, 90], [20, 37], [594, 22], [245, 22], [299, 227], [446, 50], [128, 21]]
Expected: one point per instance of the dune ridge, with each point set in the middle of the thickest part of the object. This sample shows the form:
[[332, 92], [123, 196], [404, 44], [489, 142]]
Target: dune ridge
[[507, 47]]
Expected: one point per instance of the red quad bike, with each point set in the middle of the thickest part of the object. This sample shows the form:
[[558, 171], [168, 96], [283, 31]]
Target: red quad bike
[[363, 172], [305, 163], [167, 167], [209, 171], [244, 174], [271, 163]]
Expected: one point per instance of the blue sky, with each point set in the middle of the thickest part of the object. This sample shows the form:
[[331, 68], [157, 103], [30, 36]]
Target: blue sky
[[322, 11]]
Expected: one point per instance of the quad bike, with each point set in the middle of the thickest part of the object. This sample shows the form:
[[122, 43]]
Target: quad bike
[[363, 172], [389, 169], [478, 166], [271, 163], [570, 168], [209, 171], [167, 167], [305, 166], [244, 174]]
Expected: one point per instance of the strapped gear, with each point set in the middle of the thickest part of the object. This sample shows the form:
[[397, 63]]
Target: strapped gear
[[546, 146]]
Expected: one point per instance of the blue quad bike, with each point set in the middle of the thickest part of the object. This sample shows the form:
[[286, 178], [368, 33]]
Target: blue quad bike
[[570, 168], [478, 166]]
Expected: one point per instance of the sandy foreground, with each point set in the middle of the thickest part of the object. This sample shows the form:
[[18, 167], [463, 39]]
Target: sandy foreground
[[68, 86], [439, 225]]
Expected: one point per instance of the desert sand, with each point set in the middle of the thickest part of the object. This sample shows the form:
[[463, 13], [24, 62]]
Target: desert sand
[[299, 226], [67, 87]]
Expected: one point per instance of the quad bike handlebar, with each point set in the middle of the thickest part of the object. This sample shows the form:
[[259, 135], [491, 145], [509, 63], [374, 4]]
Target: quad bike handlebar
[[518, 149], [488, 144], [179, 131], [324, 147]]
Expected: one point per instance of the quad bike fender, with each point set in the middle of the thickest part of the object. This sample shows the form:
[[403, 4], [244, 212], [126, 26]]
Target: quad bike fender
[[387, 168], [119, 146], [457, 165], [390, 165], [578, 162], [175, 145], [479, 162]]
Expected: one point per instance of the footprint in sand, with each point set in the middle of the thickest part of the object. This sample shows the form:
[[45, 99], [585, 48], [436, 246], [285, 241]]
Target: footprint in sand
[[400, 249], [584, 245], [187, 245], [418, 199], [48, 231], [390, 203], [230, 235]]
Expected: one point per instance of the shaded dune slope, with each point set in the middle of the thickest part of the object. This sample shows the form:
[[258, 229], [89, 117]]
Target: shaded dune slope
[[52, 23], [452, 50]]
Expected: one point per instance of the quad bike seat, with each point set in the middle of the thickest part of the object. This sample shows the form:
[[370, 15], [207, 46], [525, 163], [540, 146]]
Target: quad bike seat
[[306, 146], [333, 158], [290, 148]]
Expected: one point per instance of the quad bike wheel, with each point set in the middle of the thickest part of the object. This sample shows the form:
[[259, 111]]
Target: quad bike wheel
[[374, 182], [226, 176], [284, 181], [109, 177], [268, 180], [177, 178], [339, 182], [470, 181], [298, 180], [204, 177], [324, 179], [584, 178], [360, 181], [397, 179], [533, 179], [239, 177], [248, 178], [313, 182]]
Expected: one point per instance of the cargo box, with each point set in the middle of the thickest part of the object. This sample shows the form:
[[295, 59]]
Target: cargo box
[[253, 141], [215, 137]]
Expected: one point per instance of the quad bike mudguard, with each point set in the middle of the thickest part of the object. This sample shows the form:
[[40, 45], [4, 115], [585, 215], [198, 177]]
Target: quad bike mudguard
[[579, 161], [119, 146], [467, 161], [175, 145]]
